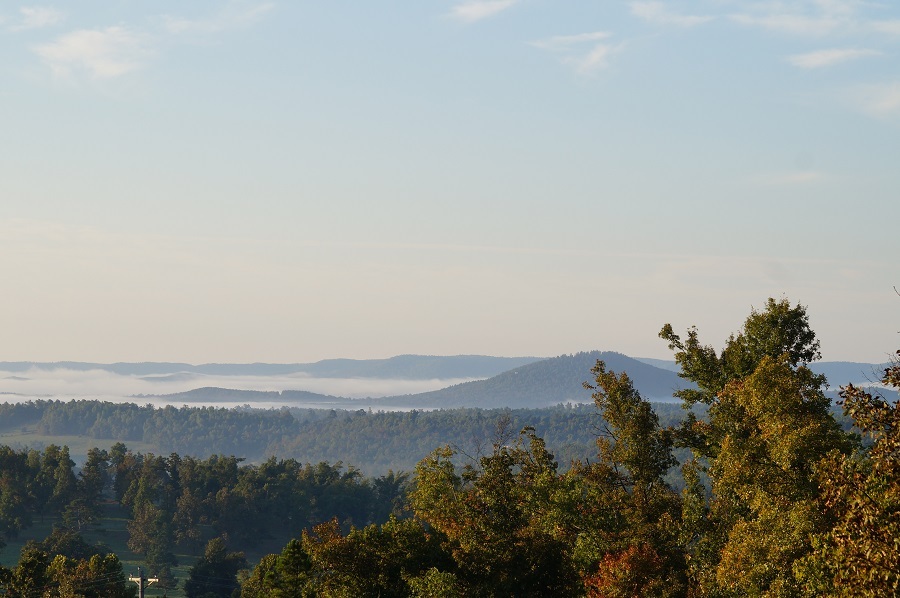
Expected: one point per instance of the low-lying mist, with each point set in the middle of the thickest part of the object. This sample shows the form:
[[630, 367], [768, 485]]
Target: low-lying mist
[[66, 384]]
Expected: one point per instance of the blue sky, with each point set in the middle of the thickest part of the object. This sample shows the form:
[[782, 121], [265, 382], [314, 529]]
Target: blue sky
[[291, 181]]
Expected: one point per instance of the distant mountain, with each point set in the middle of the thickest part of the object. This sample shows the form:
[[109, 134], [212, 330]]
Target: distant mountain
[[409, 367], [839, 373], [663, 364], [544, 383], [211, 394], [538, 384], [417, 367], [842, 373]]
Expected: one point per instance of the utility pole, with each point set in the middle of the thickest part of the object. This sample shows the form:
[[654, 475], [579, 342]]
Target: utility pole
[[140, 580]]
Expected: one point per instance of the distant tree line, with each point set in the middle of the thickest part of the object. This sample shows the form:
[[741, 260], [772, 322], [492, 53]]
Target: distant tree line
[[375, 442]]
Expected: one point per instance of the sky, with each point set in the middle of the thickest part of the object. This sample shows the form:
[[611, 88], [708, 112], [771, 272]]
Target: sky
[[288, 181]]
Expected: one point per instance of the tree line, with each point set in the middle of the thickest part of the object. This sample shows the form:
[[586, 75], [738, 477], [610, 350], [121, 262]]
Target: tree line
[[374, 442]]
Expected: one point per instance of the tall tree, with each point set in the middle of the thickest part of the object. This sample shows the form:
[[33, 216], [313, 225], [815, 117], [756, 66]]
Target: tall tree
[[769, 425], [635, 540]]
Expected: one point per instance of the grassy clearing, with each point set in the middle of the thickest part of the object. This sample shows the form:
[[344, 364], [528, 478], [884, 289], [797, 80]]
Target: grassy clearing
[[26, 436]]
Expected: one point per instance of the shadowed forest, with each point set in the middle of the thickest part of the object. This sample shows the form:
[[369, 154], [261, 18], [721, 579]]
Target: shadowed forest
[[756, 484]]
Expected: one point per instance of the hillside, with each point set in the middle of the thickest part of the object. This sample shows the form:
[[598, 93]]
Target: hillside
[[543, 383]]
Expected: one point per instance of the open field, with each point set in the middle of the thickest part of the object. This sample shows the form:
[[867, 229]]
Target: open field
[[26, 437]]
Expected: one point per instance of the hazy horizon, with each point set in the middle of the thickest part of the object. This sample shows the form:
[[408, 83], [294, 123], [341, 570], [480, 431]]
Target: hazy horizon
[[104, 385]]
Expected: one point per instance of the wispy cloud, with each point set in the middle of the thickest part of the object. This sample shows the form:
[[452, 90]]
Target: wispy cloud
[[37, 17], [102, 53], [790, 23], [657, 12], [476, 10], [802, 17], [596, 59], [585, 52], [106, 53], [830, 57], [231, 17]]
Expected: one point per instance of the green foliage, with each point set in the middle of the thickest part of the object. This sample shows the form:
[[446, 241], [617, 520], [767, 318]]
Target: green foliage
[[37, 574], [498, 519], [284, 575], [636, 549], [862, 493], [70, 544], [435, 584], [377, 560], [779, 330], [216, 572], [769, 426], [376, 442]]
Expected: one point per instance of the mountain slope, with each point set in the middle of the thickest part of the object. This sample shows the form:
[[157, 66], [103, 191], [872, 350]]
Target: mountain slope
[[543, 383]]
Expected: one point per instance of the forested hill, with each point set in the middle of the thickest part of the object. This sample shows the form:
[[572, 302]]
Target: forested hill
[[540, 384], [412, 367], [544, 383]]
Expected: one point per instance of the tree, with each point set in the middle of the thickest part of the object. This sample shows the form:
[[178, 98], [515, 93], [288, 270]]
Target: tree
[[96, 577], [779, 330], [16, 483], [499, 519], [634, 544], [29, 576], [285, 575], [63, 541], [769, 425], [376, 560], [215, 573], [861, 552], [94, 476]]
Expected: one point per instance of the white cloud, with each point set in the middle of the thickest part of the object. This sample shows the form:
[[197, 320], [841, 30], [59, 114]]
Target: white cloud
[[574, 54], [231, 17], [476, 10], [790, 23], [103, 53], [596, 59], [656, 12], [831, 57], [37, 17], [802, 17]]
